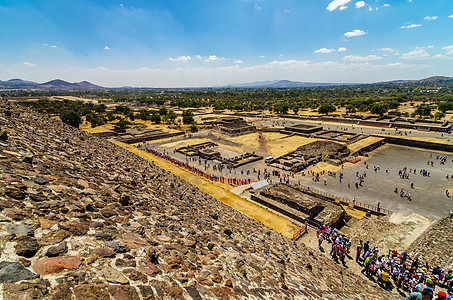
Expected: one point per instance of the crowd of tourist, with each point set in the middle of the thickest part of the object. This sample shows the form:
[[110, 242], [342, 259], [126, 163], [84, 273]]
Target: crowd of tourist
[[392, 269]]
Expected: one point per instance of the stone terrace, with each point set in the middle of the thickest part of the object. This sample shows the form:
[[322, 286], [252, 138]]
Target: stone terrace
[[84, 219]]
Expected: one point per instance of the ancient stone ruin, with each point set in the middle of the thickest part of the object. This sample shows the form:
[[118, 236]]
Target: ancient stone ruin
[[298, 205], [207, 150], [312, 153], [233, 126]]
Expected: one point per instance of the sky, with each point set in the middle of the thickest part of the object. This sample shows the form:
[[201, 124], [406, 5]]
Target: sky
[[202, 43]]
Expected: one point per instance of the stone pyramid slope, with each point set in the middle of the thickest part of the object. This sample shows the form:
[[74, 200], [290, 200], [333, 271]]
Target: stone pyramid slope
[[84, 219]]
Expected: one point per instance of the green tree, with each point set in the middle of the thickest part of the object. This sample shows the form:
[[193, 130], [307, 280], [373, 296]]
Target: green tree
[[123, 123], [187, 117], [171, 116], [163, 111], [71, 118], [439, 115], [130, 114], [422, 110], [326, 108], [445, 106], [350, 108], [379, 108], [155, 118]]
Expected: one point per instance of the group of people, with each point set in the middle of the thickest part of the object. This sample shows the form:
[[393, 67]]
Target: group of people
[[341, 245], [415, 278], [411, 276], [404, 194]]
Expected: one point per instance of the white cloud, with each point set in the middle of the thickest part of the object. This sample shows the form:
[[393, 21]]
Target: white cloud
[[386, 5], [415, 54], [355, 32], [106, 48], [257, 7], [337, 4], [449, 49], [341, 49], [410, 26], [29, 64], [262, 56], [183, 58], [51, 46], [286, 11], [238, 61], [360, 4], [209, 58], [430, 17], [343, 7], [450, 16], [437, 56], [387, 49], [324, 50], [357, 58]]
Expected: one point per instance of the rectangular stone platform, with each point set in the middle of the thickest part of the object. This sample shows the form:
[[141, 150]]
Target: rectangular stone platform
[[299, 205]]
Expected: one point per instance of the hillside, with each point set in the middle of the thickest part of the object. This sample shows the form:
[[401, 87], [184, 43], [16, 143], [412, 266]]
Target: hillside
[[84, 219], [56, 84]]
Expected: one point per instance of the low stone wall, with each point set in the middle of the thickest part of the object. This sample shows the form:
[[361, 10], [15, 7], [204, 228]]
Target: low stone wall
[[283, 209], [418, 144]]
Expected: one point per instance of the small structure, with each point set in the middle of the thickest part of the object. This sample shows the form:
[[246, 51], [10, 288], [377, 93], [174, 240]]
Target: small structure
[[201, 149], [233, 126], [312, 153], [303, 128], [207, 150], [298, 205]]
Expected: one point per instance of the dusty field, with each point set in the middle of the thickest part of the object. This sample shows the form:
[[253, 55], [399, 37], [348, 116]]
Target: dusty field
[[95, 101], [270, 144]]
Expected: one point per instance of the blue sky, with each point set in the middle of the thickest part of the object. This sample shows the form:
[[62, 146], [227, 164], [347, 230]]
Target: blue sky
[[177, 43]]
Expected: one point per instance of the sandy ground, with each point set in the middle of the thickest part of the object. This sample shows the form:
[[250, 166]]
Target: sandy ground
[[221, 193], [270, 144]]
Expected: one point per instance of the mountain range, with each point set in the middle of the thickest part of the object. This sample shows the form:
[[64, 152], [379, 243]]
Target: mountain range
[[59, 84], [56, 84]]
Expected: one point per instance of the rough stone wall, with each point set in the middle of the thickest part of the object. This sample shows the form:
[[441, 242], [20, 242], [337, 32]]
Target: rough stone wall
[[84, 219]]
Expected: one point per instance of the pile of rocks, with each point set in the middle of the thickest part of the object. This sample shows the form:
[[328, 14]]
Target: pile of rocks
[[84, 219]]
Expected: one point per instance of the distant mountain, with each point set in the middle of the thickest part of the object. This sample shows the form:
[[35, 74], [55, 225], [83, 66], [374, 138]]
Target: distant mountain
[[283, 84], [59, 84], [18, 84], [436, 79], [56, 84], [430, 80]]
